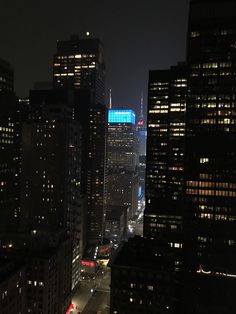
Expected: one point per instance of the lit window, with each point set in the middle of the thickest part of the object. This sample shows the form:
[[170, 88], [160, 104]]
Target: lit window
[[204, 160]]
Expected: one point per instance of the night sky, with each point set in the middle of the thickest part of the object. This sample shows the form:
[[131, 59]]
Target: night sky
[[137, 35]]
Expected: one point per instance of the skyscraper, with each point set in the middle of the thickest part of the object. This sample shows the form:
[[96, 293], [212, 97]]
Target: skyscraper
[[9, 150], [165, 153], [210, 217], [122, 181], [142, 131], [78, 63], [163, 216], [142, 139], [96, 159], [51, 183]]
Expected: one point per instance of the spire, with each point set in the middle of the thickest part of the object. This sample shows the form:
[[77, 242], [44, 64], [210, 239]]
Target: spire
[[110, 100], [141, 107]]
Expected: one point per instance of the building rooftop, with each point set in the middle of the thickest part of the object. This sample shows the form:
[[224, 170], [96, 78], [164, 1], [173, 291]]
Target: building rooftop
[[143, 253]]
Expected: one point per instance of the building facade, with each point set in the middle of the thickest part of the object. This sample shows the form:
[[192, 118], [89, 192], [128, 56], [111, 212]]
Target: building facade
[[96, 174], [79, 66], [43, 283], [211, 157], [122, 179], [50, 194], [78, 63], [165, 152], [10, 150], [139, 282]]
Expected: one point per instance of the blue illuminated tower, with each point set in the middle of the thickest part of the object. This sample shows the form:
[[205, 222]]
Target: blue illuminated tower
[[122, 159]]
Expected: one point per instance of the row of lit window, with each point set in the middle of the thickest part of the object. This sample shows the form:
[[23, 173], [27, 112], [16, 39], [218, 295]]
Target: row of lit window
[[211, 65], [36, 283], [211, 192], [212, 216], [210, 73], [6, 141], [76, 56], [6, 129], [223, 185], [223, 32]]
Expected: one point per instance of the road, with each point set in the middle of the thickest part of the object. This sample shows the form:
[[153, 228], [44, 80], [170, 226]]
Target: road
[[100, 300], [85, 300], [138, 227]]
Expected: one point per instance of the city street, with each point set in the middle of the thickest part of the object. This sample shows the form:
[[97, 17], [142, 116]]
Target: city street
[[93, 294], [136, 226]]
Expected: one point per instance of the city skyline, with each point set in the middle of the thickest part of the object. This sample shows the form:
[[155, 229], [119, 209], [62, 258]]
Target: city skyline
[[102, 208], [131, 32]]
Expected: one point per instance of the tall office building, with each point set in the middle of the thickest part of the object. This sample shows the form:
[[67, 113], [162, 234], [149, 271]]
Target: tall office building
[[211, 158], [96, 173], [50, 197], [141, 132], [9, 150], [50, 185], [122, 181], [79, 64], [163, 216], [142, 140], [165, 154]]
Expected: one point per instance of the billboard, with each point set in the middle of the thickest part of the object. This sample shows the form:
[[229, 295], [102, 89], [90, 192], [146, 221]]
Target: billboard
[[121, 116]]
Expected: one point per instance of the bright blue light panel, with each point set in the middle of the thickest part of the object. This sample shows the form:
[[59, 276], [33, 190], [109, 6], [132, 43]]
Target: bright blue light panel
[[121, 116]]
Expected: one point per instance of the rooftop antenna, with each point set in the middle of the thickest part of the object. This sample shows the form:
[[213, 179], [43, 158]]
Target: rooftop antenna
[[110, 99]]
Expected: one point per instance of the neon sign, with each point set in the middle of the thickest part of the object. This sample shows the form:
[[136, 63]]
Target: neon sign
[[89, 264], [70, 308]]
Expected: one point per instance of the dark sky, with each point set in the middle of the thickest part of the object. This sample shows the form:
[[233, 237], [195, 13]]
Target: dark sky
[[138, 35]]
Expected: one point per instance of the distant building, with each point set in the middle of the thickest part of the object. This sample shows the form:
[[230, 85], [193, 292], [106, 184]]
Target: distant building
[[6, 76], [96, 174], [142, 141], [141, 132], [122, 179], [9, 150], [142, 176], [116, 223], [78, 63]]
